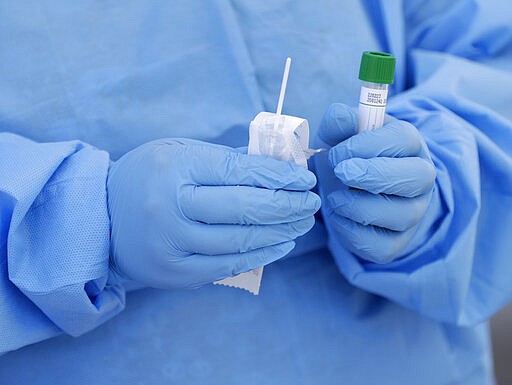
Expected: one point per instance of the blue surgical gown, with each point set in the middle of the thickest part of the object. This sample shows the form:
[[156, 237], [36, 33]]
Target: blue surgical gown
[[82, 83]]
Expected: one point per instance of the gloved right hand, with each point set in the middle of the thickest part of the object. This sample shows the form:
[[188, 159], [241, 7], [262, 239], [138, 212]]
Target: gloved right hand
[[377, 185], [185, 213]]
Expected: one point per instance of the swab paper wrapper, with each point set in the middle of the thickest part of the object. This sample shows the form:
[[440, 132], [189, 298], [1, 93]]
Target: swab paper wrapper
[[286, 140]]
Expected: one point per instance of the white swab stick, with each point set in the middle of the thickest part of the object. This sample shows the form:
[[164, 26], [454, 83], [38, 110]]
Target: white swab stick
[[283, 90]]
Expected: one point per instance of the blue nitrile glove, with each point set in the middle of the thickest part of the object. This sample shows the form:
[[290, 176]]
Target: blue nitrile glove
[[185, 213], [392, 178]]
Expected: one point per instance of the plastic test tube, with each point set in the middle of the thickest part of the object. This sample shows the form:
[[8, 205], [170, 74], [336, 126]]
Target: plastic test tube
[[377, 71]]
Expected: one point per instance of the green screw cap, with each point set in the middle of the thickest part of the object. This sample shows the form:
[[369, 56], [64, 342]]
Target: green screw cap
[[377, 67]]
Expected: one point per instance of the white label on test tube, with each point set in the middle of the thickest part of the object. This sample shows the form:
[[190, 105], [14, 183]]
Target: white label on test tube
[[372, 108]]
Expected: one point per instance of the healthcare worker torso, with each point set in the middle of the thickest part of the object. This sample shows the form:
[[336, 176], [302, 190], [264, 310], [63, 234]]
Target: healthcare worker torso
[[116, 75]]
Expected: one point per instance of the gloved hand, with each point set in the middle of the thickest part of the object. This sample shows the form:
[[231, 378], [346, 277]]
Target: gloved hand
[[185, 213], [393, 176]]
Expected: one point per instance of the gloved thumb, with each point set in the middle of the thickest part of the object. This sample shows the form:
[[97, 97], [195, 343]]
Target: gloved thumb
[[338, 123]]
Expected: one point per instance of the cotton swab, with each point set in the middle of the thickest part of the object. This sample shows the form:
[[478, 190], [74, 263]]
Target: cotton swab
[[283, 91]]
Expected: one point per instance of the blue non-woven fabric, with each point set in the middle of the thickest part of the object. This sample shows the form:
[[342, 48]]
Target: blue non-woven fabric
[[47, 192], [115, 76], [307, 326]]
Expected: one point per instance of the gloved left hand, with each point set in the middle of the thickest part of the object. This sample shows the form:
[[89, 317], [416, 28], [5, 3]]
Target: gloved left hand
[[393, 176], [185, 213]]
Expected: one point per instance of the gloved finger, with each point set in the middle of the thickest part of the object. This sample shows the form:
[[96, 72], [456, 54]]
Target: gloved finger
[[241, 150], [387, 211], [226, 239], [407, 177], [395, 140], [372, 243], [217, 267], [246, 205], [217, 167], [338, 123]]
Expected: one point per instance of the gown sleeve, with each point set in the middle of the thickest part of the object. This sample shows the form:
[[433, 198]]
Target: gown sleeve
[[455, 85], [54, 241]]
